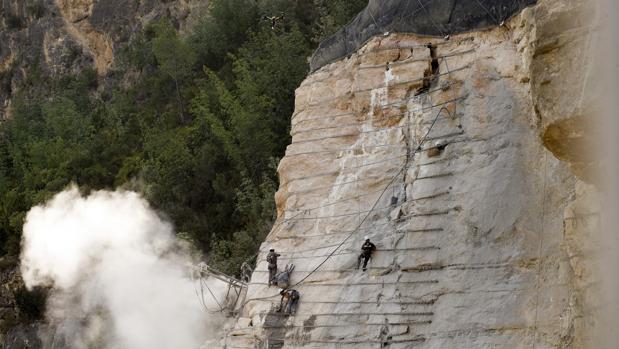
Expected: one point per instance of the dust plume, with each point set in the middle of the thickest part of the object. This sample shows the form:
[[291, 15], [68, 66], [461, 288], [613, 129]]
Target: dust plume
[[118, 276], [606, 335]]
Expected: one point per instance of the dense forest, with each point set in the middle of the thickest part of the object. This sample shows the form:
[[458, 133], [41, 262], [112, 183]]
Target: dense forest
[[198, 131]]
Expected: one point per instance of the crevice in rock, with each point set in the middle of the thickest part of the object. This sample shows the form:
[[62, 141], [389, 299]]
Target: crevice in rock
[[385, 336], [408, 142], [430, 76]]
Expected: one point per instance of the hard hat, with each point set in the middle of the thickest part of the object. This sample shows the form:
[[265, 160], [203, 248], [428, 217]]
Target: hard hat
[[367, 237], [281, 290]]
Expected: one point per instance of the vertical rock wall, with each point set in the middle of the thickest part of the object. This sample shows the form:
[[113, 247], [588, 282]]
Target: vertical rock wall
[[440, 154]]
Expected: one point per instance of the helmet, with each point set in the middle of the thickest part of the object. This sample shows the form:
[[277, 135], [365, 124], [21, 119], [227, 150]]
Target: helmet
[[366, 238], [281, 291]]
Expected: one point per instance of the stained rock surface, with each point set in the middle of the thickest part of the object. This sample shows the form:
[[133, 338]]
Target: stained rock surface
[[438, 151]]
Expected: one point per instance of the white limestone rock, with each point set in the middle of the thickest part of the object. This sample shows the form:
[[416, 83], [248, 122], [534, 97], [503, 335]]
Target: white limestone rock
[[479, 252]]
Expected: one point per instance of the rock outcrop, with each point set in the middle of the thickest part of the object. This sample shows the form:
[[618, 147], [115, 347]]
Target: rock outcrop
[[50, 38], [456, 157]]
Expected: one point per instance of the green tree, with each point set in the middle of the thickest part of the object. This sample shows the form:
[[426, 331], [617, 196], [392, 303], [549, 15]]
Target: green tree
[[198, 129], [175, 58], [224, 29], [333, 15]]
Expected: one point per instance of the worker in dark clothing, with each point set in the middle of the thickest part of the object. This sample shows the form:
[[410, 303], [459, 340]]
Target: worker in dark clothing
[[272, 260], [282, 279], [366, 253], [246, 271], [289, 301]]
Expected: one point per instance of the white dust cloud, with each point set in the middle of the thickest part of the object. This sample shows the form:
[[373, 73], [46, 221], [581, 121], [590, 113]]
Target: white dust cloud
[[119, 277]]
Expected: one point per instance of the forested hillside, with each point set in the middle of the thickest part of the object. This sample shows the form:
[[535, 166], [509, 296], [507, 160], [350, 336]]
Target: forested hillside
[[196, 122]]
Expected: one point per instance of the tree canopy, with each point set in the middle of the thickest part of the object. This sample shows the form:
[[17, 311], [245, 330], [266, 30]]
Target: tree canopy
[[199, 131]]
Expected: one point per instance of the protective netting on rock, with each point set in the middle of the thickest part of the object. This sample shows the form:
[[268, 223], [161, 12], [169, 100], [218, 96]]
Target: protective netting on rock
[[423, 17]]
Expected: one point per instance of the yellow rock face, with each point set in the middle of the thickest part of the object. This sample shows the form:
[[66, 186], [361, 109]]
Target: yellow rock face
[[75, 14]]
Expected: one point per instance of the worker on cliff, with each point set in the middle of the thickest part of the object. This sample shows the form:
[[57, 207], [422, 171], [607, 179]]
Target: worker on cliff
[[366, 253], [282, 279], [246, 271], [289, 301], [272, 261]]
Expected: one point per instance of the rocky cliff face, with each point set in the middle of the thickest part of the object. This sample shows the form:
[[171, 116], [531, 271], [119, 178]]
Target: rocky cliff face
[[466, 161], [57, 37]]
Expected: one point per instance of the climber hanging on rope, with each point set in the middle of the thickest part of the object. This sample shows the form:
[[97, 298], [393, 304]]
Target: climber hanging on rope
[[273, 19], [272, 260], [291, 299], [366, 253], [283, 279]]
